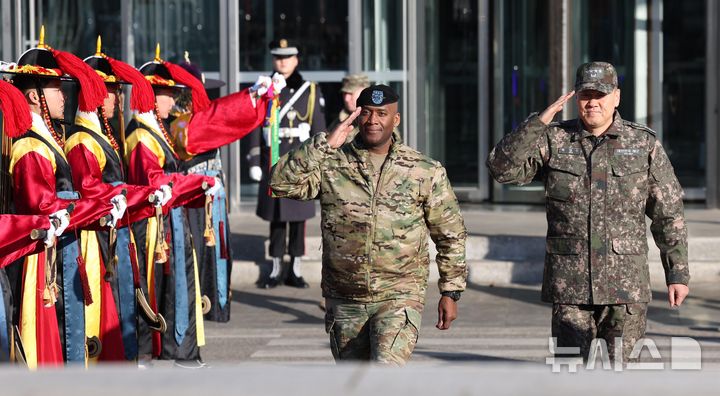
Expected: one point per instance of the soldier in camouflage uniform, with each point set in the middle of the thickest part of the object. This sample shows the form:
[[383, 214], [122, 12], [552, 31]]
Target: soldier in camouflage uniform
[[602, 176], [380, 201], [352, 85]]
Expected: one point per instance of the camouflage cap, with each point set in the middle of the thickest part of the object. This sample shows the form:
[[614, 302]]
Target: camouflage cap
[[597, 76], [353, 82]]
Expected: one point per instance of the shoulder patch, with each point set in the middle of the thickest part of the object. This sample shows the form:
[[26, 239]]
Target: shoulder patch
[[642, 127]]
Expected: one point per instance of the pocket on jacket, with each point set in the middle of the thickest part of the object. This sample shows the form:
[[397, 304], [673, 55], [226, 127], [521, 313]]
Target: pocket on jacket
[[564, 246], [629, 166], [629, 246], [564, 176]]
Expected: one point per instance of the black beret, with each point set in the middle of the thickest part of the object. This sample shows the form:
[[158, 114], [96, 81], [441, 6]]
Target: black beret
[[376, 95]]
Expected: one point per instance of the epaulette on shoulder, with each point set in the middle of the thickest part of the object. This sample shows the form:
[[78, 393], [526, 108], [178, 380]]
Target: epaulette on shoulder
[[642, 127]]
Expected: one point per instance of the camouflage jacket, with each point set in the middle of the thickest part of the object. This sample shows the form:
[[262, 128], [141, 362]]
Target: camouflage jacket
[[375, 243], [598, 191]]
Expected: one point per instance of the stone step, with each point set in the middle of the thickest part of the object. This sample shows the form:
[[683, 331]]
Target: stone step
[[499, 272], [478, 248]]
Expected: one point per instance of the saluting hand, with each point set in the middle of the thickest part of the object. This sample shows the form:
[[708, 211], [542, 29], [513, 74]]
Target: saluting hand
[[337, 137], [547, 116]]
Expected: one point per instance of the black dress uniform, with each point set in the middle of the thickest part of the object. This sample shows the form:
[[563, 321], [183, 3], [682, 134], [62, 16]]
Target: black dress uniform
[[302, 119]]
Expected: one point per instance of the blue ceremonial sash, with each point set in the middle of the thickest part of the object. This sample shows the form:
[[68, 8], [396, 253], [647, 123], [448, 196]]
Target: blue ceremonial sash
[[126, 291], [220, 214], [73, 298], [126, 294], [4, 337], [182, 315]]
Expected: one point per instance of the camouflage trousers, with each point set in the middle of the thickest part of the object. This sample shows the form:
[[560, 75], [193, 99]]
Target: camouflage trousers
[[382, 332], [578, 325]]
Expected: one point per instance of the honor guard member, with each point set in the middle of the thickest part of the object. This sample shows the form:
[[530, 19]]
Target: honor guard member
[[352, 85], [94, 154], [198, 137], [53, 293], [170, 267], [602, 176], [300, 116], [380, 201], [20, 235]]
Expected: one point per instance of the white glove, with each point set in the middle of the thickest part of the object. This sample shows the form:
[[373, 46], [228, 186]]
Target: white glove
[[64, 217], [261, 86], [158, 194], [255, 173], [50, 236], [167, 194], [304, 128], [119, 203], [278, 82], [215, 188]]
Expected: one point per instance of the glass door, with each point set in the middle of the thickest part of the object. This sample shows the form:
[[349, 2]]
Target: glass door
[[521, 77], [684, 32]]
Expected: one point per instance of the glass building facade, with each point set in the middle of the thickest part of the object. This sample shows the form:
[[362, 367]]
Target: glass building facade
[[468, 71]]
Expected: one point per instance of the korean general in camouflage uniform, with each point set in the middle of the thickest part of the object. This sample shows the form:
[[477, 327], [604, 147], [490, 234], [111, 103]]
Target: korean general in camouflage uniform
[[380, 201], [602, 176]]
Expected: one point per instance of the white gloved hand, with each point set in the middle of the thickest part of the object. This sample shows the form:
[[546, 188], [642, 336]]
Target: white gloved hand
[[119, 203], [215, 188], [255, 173], [167, 194], [304, 128], [261, 86], [278, 81], [158, 200], [50, 236], [64, 217]]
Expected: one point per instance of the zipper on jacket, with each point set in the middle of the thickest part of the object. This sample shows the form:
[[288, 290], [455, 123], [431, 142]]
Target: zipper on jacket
[[373, 206], [596, 143]]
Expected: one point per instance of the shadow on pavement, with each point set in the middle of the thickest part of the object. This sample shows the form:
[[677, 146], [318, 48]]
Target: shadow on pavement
[[248, 247], [463, 357], [531, 296], [280, 304], [666, 315]]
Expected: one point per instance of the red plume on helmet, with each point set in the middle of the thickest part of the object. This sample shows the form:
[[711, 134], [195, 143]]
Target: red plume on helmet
[[16, 112], [142, 97], [199, 96], [92, 87]]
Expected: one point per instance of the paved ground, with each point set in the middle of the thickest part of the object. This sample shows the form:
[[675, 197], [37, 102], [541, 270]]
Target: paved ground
[[275, 344], [506, 245], [496, 324], [487, 219]]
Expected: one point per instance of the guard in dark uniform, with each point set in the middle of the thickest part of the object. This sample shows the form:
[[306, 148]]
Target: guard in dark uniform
[[301, 115]]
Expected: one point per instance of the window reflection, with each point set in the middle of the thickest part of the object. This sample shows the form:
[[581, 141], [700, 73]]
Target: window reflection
[[684, 32], [319, 27], [452, 90], [179, 26]]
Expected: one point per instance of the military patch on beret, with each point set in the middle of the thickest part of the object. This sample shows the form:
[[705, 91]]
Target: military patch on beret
[[376, 95]]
